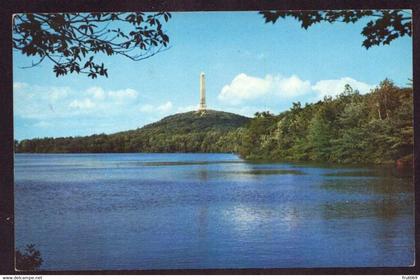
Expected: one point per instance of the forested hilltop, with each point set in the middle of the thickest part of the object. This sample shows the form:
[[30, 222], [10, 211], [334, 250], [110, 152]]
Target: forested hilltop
[[351, 128], [184, 132]]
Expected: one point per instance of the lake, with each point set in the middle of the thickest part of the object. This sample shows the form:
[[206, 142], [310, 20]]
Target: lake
[[157, 211]]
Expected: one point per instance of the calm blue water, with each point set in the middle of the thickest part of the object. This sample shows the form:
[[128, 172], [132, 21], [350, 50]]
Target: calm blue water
[[156, 211]]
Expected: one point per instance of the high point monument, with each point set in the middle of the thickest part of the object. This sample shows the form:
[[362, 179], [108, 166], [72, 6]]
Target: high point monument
[[202, 106]]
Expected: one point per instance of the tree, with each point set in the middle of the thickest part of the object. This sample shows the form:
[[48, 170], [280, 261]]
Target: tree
[[387, 26], [320, 135], [72, 40], [29, 260]]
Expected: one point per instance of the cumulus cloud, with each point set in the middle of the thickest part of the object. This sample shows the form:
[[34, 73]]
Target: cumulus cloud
[[38, 102], [97, 100], [43, 124], [166, 107], [335, 87], [19, 85], [58, 93], [82, 104], [244, 87], [291, 86], [42, 103], [47, 109], [123, 95], [277, 88], [96, 92]]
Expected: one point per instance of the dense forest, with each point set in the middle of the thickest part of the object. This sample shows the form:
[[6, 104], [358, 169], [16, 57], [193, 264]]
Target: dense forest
[[351, 128]]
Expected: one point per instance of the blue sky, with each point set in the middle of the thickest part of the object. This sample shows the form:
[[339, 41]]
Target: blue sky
[[250, 66]]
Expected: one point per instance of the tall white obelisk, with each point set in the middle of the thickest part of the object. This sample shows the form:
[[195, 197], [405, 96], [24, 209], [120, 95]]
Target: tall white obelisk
[[202, 106]]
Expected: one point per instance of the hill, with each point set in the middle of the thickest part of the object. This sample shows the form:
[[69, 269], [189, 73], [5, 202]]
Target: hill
[[212, 131], [197, 122]]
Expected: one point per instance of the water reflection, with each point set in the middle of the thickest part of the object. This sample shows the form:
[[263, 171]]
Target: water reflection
[[210, 211], [384, 172], [175, 163], [266, 172], [369, 185], [251, 218], [203, 174], [387, 208], [203, 221]]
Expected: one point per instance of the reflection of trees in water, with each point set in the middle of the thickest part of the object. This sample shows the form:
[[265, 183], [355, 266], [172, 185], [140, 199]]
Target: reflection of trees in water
[[203, 221], [376, 213], [203, 174], [383, 197], [386, 208], [203, 227], [369, 185], [385, 227], [388, 171]]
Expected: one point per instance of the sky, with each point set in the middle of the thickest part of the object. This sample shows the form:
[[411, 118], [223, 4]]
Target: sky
[[250, 66]]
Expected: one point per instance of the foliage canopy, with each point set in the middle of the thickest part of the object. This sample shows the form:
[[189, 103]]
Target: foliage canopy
[[351, 128], [71, 40], [387, 26]]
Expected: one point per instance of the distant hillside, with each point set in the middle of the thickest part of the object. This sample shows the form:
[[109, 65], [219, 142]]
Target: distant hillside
[[197, 122], [212, 131]]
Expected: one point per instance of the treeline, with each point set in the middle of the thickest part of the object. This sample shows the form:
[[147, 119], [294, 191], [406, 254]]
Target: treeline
[[214, 131], [207, 142], [351, 128]]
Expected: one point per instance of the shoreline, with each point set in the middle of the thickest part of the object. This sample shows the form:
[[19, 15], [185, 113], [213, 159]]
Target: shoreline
[[401, 164]]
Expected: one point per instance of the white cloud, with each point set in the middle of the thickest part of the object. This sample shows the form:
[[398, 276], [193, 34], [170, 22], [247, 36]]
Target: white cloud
[[166, 107], [86, 111], [292, 86], [82, 104], [244, 87], [275, 89], [19, 85], [57, 93], [96, 92], [123, 95], [46, 102], [50, 107], [38, 102], [43, 124], [335, 87]]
